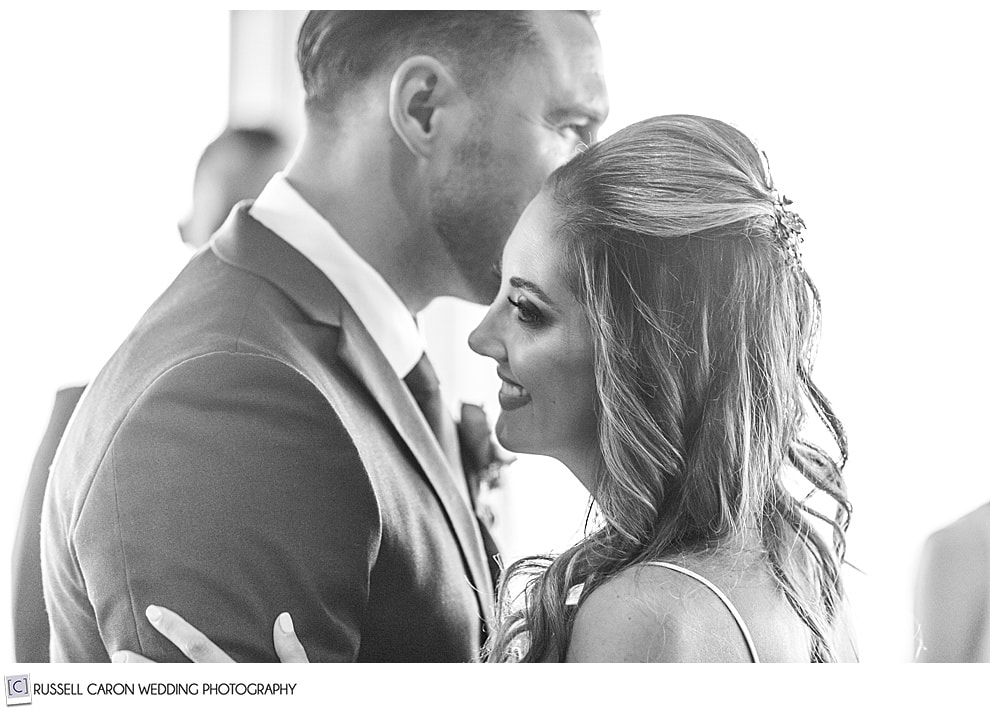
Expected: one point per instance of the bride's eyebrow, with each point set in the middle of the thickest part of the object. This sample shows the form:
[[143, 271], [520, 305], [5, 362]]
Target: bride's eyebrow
[[532, 288]]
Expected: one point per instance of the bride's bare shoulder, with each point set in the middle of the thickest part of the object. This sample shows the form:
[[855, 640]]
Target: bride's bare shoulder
[[649, 613]]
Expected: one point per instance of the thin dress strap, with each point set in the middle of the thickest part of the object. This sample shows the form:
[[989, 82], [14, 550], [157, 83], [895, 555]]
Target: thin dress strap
[[720, 595]]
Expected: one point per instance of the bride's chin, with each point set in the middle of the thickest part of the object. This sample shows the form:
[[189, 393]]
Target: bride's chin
[[509, 439], [503, 437]]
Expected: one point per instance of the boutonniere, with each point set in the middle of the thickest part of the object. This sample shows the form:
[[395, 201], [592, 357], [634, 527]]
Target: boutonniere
[[482, 457]]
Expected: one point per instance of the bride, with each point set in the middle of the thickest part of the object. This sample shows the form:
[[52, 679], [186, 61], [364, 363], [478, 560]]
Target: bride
[[654, 331]]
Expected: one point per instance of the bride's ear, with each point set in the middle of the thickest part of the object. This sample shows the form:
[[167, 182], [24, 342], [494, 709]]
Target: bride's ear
[[424, 102]]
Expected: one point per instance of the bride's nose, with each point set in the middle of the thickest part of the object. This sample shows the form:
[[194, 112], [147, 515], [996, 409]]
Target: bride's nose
[[485, 339]]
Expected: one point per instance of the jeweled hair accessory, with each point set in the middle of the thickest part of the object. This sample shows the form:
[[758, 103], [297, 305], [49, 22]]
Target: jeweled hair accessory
[[789, 224], [789, 230]]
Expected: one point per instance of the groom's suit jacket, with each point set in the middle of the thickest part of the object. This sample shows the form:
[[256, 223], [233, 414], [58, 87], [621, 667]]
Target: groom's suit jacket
[[248, 450]]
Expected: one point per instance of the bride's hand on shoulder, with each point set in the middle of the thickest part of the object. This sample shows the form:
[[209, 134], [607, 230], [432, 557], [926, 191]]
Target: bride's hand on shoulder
[[200, 649]]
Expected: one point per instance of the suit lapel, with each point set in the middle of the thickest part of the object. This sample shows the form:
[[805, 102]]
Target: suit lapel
[[359, 352], [247, 244]]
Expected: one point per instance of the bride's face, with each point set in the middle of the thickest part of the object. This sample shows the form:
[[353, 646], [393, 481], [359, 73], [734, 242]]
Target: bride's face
[[538, 333]]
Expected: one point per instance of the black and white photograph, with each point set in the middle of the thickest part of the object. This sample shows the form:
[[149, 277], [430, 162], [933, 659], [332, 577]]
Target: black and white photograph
[[486, 336]]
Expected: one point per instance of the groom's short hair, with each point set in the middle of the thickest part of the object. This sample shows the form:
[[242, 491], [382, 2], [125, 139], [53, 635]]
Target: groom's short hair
[[339, 50]]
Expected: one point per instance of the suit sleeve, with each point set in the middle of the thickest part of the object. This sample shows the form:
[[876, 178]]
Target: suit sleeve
[[230, 493]]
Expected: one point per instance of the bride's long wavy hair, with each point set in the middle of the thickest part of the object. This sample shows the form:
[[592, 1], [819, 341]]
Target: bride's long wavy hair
[[704, 327]]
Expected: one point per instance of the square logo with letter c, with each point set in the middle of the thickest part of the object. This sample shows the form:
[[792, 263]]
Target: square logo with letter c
[[18, 689]]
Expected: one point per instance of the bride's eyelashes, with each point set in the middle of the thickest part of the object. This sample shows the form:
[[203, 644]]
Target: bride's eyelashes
[[527, 312]]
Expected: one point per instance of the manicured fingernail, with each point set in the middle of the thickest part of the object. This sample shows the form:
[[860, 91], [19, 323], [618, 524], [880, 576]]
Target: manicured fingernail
[[119, 657], [285, 622], [153, 613]]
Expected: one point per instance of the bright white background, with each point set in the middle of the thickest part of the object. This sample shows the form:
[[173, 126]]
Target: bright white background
[[879, 123]]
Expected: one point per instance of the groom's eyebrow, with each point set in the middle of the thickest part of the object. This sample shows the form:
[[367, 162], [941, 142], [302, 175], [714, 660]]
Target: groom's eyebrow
[[532, 288]]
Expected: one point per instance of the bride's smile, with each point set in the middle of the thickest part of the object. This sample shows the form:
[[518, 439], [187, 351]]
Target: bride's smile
[[512, 395]]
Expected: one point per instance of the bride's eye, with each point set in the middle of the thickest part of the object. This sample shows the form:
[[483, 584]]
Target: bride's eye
[[527, 313]]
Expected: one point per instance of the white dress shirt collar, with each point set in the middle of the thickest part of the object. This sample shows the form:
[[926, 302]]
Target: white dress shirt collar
[[286, 213]]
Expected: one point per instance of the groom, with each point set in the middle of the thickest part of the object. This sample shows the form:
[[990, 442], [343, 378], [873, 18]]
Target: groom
[[270, 438]]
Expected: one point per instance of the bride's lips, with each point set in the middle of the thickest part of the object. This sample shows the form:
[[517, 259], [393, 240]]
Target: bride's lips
[[512, 395]]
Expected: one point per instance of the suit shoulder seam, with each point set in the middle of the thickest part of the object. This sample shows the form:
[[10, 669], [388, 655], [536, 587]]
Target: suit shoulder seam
[[74, 522]]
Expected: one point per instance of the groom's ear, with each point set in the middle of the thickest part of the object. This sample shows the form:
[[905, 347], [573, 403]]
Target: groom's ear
[[426, 104]]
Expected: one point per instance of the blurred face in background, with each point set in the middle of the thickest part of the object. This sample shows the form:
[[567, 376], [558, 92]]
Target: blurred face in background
[[233, 172]]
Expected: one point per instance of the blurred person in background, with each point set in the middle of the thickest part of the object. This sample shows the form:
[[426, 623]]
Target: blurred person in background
[[952, 604], [233, 167], [271, 436]]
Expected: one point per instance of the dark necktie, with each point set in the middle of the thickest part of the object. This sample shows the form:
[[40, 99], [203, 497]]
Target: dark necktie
[[426, 389]]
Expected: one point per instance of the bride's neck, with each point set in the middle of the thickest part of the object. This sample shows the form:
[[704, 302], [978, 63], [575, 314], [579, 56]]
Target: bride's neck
[[585, 466]]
